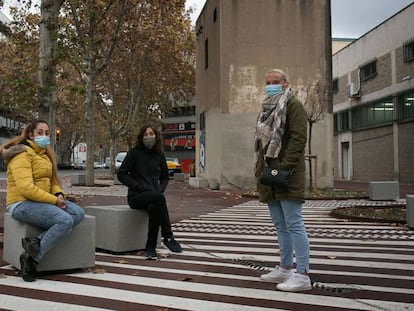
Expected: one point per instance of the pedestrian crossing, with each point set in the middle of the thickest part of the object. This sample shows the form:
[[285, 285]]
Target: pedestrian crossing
[[354, 266]]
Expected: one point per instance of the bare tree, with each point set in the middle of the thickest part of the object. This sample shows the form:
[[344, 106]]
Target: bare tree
[[313, 97]]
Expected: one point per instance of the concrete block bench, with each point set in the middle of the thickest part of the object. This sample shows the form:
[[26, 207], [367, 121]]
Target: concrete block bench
[[120, 228], [78, 179], [73, 252], [383, 190], [410, 211], [198, 182]]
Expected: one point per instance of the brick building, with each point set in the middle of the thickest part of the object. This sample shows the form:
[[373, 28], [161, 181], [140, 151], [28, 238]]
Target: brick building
[[373, 86]]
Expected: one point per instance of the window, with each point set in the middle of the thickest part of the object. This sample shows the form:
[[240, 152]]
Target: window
[[215, 15], [378, 113], [409, 50], [368, 71], [406, 106], [206, 54], [341, 121], [335, 86]]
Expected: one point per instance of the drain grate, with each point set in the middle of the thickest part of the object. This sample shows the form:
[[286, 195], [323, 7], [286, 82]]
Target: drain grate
[[336, 288]]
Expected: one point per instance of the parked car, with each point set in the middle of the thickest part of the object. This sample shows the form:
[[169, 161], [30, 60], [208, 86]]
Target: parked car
[[118, 160], [173, 166], [79, 166], [98, 165]]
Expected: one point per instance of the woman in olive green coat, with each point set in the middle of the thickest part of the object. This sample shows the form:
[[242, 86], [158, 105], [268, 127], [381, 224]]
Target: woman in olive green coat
[[280, 140]]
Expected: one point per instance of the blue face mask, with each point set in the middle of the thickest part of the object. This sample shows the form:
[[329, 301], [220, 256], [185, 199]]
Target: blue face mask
[[273, 89], [42, 141]]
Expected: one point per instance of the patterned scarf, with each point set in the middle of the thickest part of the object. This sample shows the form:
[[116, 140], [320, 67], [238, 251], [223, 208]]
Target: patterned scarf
[[270, 124]]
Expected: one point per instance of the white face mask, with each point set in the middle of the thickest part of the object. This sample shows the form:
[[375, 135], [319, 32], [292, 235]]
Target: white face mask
[[149, 142]]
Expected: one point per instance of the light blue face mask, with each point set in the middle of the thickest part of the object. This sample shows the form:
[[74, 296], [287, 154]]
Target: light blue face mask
[[273, 89], [42, 141]]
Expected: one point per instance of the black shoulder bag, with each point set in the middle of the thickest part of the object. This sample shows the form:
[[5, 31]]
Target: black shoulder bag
[[277, 179]]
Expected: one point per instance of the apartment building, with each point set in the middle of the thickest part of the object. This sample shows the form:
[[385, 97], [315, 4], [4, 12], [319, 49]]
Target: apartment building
[[373, 96]]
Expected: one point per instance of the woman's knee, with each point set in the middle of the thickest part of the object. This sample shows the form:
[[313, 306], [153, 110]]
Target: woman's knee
[[66, 222]]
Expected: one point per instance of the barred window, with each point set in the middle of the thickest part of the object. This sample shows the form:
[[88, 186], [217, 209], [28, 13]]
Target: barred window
[[378, 113], [409, 50], [406, 106], [341, 122], [368, 71], [335, 86]]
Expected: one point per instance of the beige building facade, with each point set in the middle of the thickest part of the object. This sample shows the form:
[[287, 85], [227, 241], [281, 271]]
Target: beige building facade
[[238, 42], [373, 85]]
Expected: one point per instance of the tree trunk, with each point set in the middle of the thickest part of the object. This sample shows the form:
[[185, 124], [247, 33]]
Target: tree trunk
[[310, 158], [90, 122], [49, 12]]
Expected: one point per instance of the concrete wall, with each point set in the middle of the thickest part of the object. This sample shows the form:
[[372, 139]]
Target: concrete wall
[[247, 39], [406, 152], [371, 156]]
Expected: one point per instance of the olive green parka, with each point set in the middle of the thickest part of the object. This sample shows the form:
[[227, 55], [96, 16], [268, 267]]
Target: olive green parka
[[291, 156]]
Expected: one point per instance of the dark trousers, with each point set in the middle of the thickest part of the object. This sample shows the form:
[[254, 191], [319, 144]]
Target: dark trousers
[[156, 206]]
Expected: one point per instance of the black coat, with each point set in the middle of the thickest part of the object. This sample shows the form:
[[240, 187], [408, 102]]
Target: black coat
[[144, 170]]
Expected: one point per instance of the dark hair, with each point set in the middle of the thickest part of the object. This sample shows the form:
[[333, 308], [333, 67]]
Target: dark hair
[[158, 142]]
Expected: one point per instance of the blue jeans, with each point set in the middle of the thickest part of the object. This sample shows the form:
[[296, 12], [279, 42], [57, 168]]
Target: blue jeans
[[287, 218], [56, 222]]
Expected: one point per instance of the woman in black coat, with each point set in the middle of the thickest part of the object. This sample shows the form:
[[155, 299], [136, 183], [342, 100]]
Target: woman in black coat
[[144, 171]]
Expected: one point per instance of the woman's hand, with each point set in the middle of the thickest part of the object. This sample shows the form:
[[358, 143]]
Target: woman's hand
[[60, 202]]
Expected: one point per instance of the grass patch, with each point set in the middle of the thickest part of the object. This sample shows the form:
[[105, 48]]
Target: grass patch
[[387, 214], [335, 194]]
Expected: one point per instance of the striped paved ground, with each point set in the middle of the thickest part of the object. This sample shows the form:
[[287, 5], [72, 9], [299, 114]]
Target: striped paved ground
[[355, 266]]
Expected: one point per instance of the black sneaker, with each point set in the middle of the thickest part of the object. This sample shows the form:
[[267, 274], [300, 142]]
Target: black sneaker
[[28, 267], [173, 245], [151, 253], [31, 245]]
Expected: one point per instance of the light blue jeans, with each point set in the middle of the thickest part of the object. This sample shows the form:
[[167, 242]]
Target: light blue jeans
[[56, 222], [287, 218]]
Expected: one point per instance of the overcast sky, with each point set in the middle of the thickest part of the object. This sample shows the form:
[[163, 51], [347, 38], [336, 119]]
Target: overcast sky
[[350, 18]]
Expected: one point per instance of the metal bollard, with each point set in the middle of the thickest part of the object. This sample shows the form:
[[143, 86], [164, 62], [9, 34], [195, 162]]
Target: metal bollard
[[410, 211]]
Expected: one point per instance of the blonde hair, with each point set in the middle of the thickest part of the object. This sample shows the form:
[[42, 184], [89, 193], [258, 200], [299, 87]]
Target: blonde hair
[[282, 74], [29, 128]]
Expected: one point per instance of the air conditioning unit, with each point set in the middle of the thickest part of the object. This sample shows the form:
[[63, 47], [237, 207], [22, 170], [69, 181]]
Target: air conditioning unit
[[353, 90]]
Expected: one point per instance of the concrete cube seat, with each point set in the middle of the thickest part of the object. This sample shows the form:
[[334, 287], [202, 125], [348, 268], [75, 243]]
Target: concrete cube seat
[[383, 190], [78, 179], [120, 228], [73, 252]]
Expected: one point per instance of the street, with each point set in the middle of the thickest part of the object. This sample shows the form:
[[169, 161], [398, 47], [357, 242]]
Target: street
[[354, 265]]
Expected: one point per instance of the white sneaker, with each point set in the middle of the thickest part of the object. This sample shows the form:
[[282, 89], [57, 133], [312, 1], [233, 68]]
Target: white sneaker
[[296, 283], [277, 275]]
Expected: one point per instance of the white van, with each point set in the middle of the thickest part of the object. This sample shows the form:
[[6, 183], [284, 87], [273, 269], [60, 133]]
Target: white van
[[118, 159]]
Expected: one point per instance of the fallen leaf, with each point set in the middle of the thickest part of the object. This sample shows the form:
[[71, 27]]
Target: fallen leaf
[[122, 261], [331, 257]]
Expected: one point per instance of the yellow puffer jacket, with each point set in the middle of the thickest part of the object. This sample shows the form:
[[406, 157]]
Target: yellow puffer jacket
[[29, 175]]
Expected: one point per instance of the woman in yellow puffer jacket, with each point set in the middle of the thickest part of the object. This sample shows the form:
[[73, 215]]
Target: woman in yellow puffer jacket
[[34, 194]]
